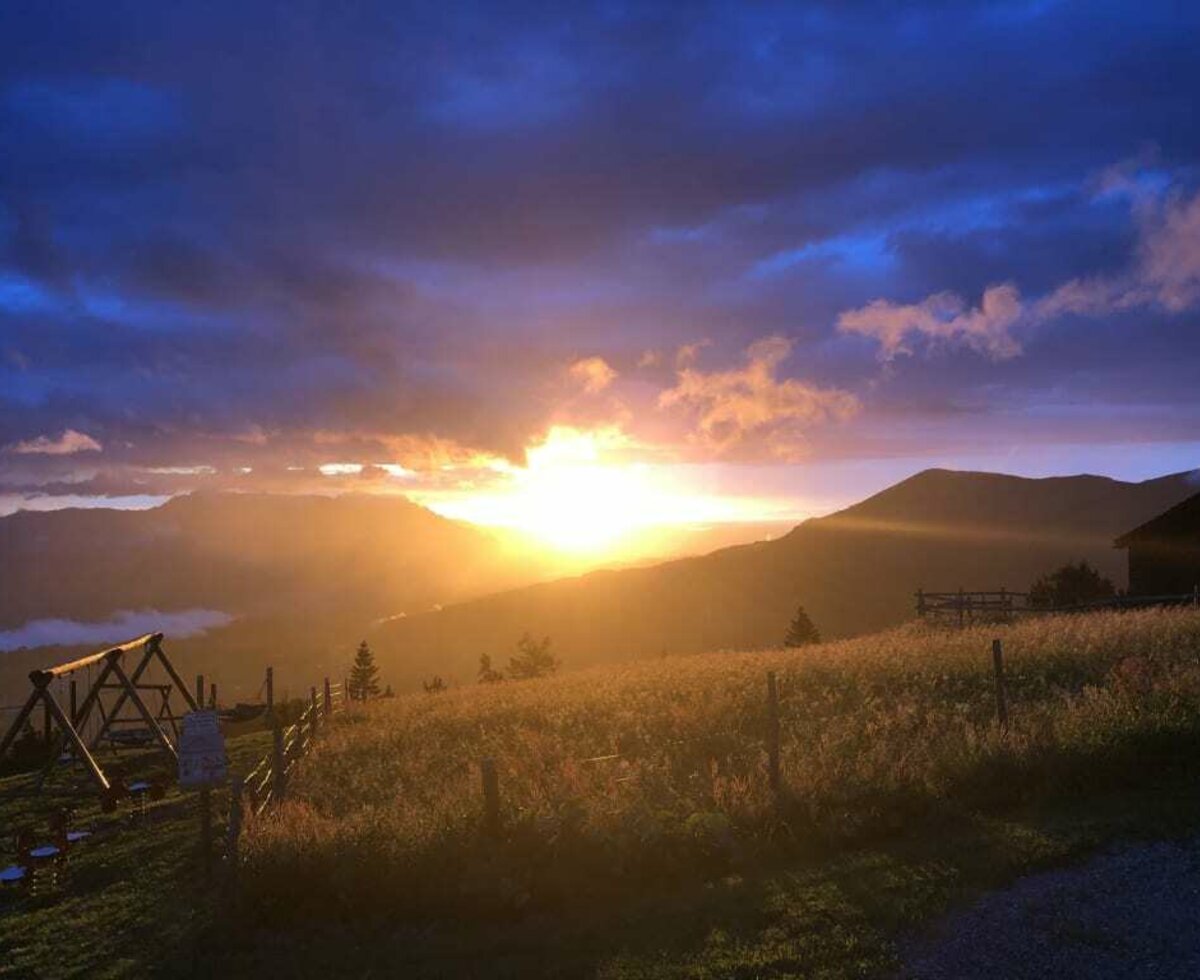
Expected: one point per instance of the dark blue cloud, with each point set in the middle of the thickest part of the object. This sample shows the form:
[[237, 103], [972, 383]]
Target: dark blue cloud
[[404, 217]]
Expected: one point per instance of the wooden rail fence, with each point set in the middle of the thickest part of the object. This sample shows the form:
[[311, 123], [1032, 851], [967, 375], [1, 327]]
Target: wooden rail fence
[[266, 784], [967, 608]]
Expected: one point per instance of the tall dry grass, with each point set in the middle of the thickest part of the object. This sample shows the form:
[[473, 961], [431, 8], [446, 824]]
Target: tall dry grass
[[877, 733]]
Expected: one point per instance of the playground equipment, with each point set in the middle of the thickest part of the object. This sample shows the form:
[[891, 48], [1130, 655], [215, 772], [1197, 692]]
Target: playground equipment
[[103, 713]]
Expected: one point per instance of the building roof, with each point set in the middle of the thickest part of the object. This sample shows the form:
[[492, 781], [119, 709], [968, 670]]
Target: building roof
[[1182, 520]]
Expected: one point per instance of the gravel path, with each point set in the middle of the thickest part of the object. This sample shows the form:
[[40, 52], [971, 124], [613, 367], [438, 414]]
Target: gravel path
[[1132, 914]]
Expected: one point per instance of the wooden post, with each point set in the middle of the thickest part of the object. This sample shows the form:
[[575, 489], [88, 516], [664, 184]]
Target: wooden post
[[151, 722], [234, 829], [81, 750], [270, 690], [328, 699], [74, 699], [212, 695], [1001, 693], [199, 691], [920, 602], [962, 601], [491, 797], [773, 732], [206, 830], [278, 765], [313, 713]]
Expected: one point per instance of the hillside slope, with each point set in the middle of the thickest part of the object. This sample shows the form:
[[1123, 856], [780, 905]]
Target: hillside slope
[[855, 571], [245, 554]]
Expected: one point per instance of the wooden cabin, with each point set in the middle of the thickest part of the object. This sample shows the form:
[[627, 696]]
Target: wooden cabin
[[1164, 553]]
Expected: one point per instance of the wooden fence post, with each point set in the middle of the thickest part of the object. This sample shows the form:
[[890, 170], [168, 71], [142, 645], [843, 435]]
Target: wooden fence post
[[328, 699], [278, 765], [1001, 692], [773, 732], [212, 695], [313, 714], [491, 797], [270, 691], [199, 691], [206, 830], [346, 690], [234, 830]]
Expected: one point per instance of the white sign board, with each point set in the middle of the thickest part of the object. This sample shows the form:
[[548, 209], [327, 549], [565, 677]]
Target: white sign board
[[202, 760]]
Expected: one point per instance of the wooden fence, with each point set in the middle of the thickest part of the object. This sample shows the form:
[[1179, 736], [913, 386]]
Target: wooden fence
[[968, 608], [266, 784], [491, 814]]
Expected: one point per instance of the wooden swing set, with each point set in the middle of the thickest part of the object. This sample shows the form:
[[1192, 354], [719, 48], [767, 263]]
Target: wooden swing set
[[128, 686]]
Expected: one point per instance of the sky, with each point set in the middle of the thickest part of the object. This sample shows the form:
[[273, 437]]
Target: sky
[[705, 262]]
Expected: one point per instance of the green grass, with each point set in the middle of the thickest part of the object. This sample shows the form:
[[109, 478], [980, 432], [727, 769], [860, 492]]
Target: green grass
[[133, 900], [836, 915]]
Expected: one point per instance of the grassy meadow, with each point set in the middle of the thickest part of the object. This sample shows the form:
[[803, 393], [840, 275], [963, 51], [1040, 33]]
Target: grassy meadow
[[883, 737]]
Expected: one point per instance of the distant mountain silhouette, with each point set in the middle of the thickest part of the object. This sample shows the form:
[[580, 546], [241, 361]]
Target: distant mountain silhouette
[[855, 571], [358, 556], [304, 576]]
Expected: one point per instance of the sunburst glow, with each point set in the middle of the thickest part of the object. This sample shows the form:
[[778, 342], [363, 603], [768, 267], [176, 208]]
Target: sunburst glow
[[577, 495]]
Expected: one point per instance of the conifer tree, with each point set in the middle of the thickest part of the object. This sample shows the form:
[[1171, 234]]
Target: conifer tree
[[533, 659], [801, 632], [487, 674], [364, 675]]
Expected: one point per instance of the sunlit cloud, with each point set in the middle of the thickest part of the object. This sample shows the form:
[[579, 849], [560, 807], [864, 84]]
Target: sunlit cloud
[[593, 374], [751, 411], [67, 443], [1166, 269], [941, 319], [1164, 274]]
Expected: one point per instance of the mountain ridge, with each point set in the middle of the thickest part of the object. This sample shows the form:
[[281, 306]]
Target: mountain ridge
[[855, 570]]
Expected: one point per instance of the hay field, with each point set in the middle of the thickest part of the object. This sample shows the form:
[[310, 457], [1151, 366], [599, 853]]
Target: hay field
[[879, 736]]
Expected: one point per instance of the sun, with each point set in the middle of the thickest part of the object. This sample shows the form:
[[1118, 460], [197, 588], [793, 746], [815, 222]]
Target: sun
[[572, 500], [568, 495], [582, 494]]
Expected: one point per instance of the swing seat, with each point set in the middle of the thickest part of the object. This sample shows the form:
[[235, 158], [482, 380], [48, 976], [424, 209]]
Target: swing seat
[[13, 875], [130, 737], [242, 712]]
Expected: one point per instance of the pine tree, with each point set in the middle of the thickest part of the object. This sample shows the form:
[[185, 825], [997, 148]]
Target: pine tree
[[801, 632], [364, 675], [488, 675], [533, 659]]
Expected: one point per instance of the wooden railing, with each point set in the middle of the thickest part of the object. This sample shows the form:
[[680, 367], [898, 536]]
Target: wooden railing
[[266, 784], [991, 607]]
